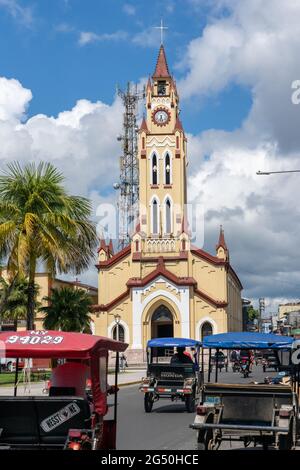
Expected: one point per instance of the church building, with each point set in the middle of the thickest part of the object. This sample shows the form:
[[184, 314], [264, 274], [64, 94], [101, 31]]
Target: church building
[[161, 285]]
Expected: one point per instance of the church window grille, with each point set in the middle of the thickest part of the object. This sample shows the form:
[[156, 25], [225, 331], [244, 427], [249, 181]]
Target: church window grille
[[206, 329], [120, 333], [161, 88], [168, 216], [155, 217], [167, 169], [154, 170]]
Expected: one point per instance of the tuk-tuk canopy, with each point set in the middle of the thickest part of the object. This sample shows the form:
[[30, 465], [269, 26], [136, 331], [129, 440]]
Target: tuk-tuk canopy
[[173, 342], [247, 340], [65, 345], [55, 344]]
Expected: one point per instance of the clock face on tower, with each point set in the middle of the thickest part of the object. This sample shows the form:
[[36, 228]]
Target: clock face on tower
[[161, 116]]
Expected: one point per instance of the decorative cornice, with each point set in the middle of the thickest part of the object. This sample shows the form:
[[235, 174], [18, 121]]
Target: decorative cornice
[[161, 271], [114, 259], [183, 256], [204, 255], [207, 298], [105, 307]]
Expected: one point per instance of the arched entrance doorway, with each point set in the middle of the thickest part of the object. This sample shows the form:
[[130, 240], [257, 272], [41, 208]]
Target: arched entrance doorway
[[206, 329], [162, 323]]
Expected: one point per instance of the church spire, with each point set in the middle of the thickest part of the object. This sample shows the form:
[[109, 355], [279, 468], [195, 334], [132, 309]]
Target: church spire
[[161, 69], [221, 248], [222, 242]]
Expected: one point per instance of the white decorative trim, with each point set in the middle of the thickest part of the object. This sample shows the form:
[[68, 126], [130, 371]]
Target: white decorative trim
[[126, 330], [201, 322], [138, 307], [155, 142]]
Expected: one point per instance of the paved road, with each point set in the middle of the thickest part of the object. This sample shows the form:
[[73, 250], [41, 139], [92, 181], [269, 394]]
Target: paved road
[[167, 427]]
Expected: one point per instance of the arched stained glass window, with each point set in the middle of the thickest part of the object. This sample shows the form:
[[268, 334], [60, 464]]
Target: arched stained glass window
[[118, 335], [167, 169], [154, 170]]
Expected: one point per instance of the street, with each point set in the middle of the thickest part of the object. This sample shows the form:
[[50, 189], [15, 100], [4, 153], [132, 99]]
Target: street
[[167, 426]]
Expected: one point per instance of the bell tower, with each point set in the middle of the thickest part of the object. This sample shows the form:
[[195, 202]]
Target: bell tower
[[162, 157]]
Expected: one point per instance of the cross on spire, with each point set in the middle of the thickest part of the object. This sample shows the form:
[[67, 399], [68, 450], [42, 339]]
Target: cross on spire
[[161, 27]]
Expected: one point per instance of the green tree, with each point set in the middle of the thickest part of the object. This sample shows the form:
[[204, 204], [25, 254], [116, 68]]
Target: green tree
[[252, 313], [41, 223], [14, 299], [68, 310]]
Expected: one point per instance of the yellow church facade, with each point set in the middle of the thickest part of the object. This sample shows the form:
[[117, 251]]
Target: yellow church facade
[[161, 285]]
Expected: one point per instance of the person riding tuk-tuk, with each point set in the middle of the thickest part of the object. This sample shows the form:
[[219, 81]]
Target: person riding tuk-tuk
[[67, 418], [172, 372]]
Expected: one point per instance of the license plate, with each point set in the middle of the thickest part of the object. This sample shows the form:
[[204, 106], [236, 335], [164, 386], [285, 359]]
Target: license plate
[[60, 417], [214, 400]]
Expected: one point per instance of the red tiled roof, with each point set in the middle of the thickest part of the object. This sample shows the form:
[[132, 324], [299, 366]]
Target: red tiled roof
[[115, 258], [204, 255], [144, 126], [178, 125], [216, 303], [161, 69], [105, 307], [161, 271], [221, 242]]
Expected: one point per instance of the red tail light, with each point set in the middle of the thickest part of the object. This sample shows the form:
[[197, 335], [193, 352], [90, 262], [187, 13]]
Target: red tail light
[[201, 410], [284, 413]]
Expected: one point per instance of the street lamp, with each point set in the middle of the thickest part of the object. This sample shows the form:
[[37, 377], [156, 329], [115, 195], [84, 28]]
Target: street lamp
[[117, 320], [266, 173]]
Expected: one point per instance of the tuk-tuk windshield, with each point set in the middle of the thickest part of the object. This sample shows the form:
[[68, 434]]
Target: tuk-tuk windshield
[[172, 355]]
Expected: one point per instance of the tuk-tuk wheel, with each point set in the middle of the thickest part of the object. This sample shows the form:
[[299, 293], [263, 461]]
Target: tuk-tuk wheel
[[148, 402], [190, 403], [205, 441], [285, 441]]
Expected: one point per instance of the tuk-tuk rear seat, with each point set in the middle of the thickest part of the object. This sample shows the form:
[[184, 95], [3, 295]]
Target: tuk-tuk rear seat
[[249, 404], [21, 419]]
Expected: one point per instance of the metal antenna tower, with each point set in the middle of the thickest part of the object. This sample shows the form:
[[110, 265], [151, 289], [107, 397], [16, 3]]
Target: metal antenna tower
[[129, 169]]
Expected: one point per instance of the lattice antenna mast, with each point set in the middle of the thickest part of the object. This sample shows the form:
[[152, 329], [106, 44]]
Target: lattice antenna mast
[[129, 168]]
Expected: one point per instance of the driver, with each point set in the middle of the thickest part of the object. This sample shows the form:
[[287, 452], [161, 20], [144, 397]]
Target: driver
[[181, 357]]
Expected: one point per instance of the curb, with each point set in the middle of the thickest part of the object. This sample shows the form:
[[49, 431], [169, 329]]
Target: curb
[[129, 383]]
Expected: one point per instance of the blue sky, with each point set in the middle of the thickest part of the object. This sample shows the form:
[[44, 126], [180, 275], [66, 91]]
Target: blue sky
[[234, 62], [40, 47]]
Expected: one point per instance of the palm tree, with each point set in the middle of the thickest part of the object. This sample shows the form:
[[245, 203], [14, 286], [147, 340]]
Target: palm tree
[[15, 299], [41, 222], [68, 310]]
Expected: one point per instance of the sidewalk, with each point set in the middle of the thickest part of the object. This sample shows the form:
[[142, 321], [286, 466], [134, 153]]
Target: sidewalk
[[129, 377]]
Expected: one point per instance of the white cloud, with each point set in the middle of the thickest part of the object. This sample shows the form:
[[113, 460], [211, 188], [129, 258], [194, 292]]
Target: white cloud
[[81, 141], [87, 37], [147, 37], [129, 9], [13, 99], [256, 45], [18, 12]]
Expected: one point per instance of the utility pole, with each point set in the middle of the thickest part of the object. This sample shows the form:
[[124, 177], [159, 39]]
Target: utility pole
[[129, 169], [261, 311]]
